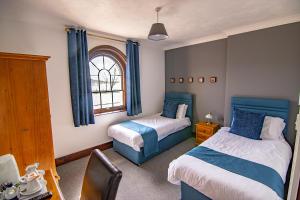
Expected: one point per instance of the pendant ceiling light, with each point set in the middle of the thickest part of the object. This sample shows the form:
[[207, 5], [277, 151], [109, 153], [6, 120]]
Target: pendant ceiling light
[[158, 30]]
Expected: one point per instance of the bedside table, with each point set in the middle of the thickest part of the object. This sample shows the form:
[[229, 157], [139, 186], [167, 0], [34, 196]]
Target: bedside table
[[205, 130]]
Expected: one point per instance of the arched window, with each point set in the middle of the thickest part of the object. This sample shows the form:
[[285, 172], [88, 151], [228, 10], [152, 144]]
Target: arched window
[[107, 70]]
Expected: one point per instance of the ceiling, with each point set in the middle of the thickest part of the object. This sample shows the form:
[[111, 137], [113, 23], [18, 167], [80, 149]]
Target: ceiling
[[184, 19]]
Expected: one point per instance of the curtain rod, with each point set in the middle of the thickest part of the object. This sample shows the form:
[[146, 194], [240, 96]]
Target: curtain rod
[[99, 36]]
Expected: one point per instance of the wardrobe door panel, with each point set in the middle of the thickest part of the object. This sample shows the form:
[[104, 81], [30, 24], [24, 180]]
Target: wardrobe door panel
[[24, 89], [8, 124], [42, 117]]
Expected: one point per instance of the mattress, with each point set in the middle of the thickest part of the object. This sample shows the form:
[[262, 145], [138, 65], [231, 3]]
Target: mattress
[[164, 126], [218, 183]]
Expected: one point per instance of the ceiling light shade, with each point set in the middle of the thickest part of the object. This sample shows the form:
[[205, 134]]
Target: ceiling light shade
[[158, 30]]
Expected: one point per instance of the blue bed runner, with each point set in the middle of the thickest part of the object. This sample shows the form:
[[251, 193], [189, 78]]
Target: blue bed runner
[[148, 134], [246, 168]]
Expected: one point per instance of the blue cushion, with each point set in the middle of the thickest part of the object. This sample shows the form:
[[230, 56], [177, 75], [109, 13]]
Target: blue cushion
[[247, 124], [170, 109]]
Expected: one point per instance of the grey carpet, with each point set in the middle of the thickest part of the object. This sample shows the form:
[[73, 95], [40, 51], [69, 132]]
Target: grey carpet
[[147, 182]]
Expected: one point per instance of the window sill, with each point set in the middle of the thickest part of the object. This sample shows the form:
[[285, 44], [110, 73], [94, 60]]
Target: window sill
[[109, 112]]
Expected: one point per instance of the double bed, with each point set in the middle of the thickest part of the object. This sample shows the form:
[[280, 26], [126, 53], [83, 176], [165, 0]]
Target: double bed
[[229, 166], [166, 132]]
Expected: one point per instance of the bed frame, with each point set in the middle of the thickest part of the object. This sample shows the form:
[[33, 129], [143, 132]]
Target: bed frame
[[138, 156], [271, 107]]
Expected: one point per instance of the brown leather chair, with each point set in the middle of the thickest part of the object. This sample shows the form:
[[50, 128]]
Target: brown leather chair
[[101, 179]]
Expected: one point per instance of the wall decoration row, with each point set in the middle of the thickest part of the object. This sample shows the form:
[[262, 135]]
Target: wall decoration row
[[200, 79]]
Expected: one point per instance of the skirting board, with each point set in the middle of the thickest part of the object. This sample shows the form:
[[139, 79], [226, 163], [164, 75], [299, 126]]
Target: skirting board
[[81, 154]]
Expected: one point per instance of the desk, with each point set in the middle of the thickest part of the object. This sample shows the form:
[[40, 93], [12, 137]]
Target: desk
[[53, 186]]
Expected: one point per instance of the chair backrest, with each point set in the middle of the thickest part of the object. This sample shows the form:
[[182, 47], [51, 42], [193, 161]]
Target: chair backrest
[[101, 179]]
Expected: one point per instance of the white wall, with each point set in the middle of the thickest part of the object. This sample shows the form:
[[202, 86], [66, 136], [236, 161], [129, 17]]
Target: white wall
[[29, 31]]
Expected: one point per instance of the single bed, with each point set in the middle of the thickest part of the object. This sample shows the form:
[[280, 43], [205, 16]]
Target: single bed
[[229, 166], [168, 132]]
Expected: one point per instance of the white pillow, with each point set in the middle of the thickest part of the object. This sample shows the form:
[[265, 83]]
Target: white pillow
[[272, 128], [181, 111]]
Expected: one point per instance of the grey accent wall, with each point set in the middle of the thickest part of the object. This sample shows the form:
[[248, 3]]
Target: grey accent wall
[[262, 63], [207, 59], [265, 63]]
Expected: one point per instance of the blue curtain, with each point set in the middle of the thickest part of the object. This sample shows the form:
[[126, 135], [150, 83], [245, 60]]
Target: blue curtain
[[80, 83], [133, 93]]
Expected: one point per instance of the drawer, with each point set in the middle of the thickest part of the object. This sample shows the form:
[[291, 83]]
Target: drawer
[[202, 136], [205, 130], [207, 133]]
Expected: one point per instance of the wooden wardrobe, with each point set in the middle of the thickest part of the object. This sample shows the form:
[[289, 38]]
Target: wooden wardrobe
[[25, 126]]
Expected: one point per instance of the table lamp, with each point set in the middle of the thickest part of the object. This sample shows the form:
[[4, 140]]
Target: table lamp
[[209, 117]]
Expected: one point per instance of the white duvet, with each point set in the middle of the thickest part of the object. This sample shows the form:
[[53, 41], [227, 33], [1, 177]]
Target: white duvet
[[218, 183], [164, 126]]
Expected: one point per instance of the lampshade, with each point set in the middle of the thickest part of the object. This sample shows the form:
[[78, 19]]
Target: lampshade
[[209, 116], [157, 32]]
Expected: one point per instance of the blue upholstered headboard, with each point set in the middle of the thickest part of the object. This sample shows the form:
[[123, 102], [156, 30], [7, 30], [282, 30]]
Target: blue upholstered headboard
[[271, 107], [182, 98]]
